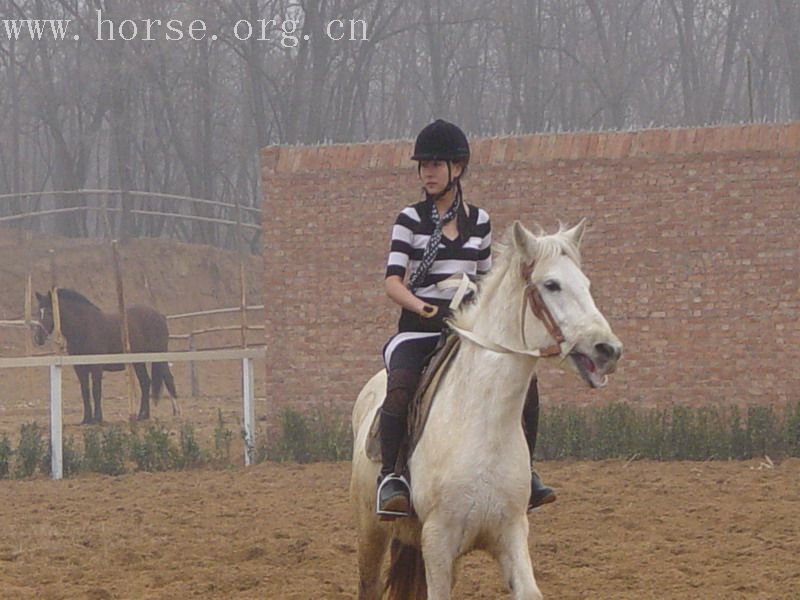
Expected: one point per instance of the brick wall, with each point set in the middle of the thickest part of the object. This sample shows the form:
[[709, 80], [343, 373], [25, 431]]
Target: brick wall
[[692, 251]]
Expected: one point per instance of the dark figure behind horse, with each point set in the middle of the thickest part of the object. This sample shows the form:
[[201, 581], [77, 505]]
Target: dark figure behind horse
[[88, 330]]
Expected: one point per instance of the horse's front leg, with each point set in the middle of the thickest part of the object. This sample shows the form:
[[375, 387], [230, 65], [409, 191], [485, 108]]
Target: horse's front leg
[[97, 392], [83, 378], [440, 548], [515, 561]]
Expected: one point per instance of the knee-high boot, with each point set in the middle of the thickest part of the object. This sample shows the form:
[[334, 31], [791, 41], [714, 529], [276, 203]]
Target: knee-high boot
[[540, 493], [394, 497]]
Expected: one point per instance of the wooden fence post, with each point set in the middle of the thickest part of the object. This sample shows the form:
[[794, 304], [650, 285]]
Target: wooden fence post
[[193, 370], [57, 321], [242, 278], [28, 334], [53, 273], [126, 340]]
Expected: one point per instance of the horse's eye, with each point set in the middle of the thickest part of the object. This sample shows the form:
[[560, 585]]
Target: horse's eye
[[552, 286]]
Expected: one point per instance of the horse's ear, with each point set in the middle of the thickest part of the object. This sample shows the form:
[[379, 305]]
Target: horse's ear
[[576, 233], [523, 240], [40, 297]]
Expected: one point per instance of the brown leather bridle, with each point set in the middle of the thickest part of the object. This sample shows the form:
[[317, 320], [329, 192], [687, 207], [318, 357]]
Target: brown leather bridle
[[541, 312]]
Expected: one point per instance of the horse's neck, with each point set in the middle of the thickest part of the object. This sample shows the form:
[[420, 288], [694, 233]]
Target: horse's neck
[[491, 384], [499, 314], [76, 321]]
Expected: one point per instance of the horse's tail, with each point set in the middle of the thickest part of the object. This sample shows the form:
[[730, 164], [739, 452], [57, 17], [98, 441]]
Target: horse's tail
[[162, 376], [406, 577]]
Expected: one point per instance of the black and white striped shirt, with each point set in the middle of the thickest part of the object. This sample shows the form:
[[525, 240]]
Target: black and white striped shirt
[[410, 235]]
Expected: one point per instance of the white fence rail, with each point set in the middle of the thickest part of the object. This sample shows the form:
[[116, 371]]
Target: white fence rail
[[56, 362]]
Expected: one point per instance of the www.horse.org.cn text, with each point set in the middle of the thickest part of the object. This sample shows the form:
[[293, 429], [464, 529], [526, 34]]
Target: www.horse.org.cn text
[[287, 32]]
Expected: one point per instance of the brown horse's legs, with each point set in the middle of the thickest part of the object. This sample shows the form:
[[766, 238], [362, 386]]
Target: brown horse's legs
[[144, 383], [97, 392], [83, 378]]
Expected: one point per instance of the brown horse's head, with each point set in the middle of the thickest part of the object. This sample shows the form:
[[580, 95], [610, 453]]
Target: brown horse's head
[[44, 326]]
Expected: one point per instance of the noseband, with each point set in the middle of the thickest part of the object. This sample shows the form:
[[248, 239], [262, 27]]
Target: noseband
[[533, 298]]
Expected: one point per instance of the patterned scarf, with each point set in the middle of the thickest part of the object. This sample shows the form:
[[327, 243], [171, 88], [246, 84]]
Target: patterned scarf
[[436, 237]]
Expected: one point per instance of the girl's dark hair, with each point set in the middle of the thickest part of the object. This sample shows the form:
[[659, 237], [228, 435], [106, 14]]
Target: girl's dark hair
[[464, 162], [464, 222]]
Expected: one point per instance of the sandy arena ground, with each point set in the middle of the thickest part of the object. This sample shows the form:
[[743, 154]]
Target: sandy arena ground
[[635, 531]]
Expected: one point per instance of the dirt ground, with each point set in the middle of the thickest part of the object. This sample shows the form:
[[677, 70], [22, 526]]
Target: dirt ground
[[628, 531]]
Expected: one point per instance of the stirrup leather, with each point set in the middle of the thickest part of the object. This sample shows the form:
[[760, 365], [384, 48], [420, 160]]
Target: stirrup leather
[[392, 513]]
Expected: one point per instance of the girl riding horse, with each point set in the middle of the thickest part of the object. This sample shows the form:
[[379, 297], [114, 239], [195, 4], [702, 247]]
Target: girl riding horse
[[432, 240]]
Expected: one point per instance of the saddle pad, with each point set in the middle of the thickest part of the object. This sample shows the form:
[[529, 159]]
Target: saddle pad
[[420, 405]]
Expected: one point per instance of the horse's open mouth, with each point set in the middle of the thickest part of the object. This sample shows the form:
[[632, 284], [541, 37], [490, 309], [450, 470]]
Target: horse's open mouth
[[588, 370]]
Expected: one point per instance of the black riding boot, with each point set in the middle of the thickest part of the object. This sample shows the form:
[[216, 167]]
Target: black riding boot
[[540, 493], [394, 495]]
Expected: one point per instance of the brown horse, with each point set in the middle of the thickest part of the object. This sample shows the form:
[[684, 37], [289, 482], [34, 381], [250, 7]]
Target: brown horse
[[88, 330]]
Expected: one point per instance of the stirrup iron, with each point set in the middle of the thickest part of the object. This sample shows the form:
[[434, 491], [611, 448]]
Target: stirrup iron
[[392, 513]]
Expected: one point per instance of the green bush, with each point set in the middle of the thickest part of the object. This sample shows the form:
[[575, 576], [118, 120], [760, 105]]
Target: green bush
[[189, 454], [222, 441], [154, 451], [763, 431], [31, 449], [619, 430], [105, 452], [303, 438], [73, 461], [6, 454], [793, 431]]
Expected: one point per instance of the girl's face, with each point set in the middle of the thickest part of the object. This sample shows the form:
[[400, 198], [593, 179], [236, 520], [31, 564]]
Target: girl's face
[[433, 174]]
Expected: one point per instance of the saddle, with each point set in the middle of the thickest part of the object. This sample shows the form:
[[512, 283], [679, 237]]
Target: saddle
[[420, 405]]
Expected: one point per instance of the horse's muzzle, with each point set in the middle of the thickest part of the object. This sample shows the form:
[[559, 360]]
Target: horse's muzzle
[[608, 354], [597, 361], [39, 334]]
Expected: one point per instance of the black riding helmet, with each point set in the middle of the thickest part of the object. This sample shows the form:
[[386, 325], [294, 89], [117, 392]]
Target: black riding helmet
[[442, 141]]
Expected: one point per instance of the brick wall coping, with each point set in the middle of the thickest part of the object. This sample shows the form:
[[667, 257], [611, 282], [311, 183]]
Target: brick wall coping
[[781, 138]]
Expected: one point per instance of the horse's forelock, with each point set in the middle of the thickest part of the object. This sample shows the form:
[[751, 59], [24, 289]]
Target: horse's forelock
[[554, 245]]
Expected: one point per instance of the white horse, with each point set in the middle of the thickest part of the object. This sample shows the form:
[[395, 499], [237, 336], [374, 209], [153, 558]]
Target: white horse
[[470, 469]]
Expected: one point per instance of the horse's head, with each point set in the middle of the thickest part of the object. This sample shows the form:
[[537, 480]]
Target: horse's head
[[44, 326], [557, 293]]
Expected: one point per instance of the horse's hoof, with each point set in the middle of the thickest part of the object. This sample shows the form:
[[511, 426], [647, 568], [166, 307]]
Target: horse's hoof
[[143, 417]]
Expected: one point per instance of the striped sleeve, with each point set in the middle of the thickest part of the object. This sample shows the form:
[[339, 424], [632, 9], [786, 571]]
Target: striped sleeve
[[484, 229], [402, 238]]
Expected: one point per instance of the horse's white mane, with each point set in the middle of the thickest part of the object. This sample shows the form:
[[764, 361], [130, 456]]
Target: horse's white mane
[[506, 255]]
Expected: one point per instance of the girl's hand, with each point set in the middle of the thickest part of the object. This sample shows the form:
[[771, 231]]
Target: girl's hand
[[428, 311]]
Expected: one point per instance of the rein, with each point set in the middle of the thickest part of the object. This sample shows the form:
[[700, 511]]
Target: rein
[[540, 311]]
